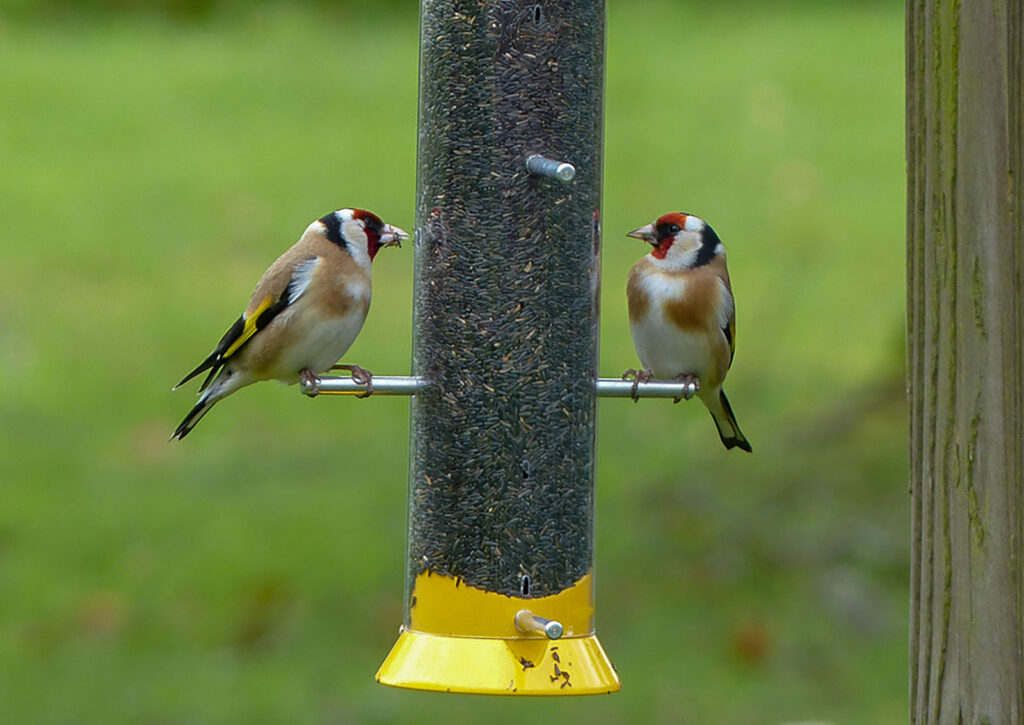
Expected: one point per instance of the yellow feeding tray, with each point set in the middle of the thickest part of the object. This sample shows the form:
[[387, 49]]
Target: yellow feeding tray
[[462, 639]]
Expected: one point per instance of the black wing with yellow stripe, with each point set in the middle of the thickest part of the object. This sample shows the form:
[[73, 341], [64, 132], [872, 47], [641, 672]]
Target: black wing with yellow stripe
[[239, 334]]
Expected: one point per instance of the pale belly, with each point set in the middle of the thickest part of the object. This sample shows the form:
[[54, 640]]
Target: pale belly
[[317, 346], [327, 344], [668, 351]]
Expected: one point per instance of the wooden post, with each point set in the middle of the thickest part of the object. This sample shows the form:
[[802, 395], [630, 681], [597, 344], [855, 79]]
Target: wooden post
[[965, 279]]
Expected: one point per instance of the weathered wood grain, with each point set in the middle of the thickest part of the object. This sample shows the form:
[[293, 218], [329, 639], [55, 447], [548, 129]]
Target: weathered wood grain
[[965, 302]]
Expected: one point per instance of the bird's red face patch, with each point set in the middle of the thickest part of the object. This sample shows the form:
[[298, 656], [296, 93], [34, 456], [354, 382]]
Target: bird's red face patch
[[372, 243], [373, 227], [667, 227]]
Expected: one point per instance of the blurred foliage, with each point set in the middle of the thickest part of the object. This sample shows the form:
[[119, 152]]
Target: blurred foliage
[[149, 172], [182, 10], [185, 10], [199, 10]]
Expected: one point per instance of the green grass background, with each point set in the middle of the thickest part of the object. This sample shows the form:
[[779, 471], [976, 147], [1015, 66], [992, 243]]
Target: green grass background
[[151, 169]]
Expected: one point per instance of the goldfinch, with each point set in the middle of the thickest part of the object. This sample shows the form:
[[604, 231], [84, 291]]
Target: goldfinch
[[304, 314], [682, 315]]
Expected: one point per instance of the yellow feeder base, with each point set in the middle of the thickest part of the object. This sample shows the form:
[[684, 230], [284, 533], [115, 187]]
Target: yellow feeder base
[[463, 639], [484, 666]]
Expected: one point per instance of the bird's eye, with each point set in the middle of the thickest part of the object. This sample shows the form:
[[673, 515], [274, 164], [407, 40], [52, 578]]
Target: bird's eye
[[673, 229]]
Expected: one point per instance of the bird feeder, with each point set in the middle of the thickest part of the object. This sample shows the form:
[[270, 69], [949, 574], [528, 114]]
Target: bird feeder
[[499, 594]]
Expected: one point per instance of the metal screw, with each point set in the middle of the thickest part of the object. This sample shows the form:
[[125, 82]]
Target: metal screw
[[543, 166], [529, 623]]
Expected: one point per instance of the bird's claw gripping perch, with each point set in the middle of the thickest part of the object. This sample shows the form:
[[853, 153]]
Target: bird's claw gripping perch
[[692, 386], [311, 381], [360, 375], [638, 376]]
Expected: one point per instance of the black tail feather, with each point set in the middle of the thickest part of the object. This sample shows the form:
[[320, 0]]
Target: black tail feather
[[201, 408], [734, 438], [215, 360], [207, 364]]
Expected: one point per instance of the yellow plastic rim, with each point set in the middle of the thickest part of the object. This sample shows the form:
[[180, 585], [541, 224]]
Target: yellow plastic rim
[[463, 639], [487, 666], [444, 605]]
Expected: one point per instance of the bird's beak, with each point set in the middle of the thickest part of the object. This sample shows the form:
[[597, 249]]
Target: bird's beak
[[392, 236], [646, 233]]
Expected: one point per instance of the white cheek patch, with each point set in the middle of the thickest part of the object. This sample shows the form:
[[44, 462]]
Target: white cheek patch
[[355, 235], [694, 224], [681, 255], [687, 258], [351, 228]]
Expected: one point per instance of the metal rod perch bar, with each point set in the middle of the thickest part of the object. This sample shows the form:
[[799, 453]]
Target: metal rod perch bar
[[616, 388], [407, 385], [382, 385]]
